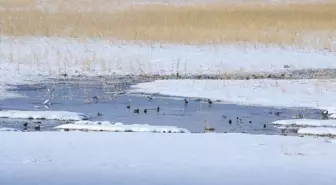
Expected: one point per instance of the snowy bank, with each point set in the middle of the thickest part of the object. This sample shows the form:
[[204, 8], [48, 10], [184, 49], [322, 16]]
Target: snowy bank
[[48, 57], [312, 93], [4, 129], [306, 123], [119, 127], [51, 115], [318, 131], [87, 122], [153, 159]]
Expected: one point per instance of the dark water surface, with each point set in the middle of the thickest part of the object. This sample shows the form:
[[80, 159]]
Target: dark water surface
[[70, 95]]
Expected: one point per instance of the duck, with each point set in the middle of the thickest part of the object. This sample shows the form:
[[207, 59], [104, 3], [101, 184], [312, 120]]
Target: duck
[[324, 114], [136, 111], [37, 128], [95, 99], [209, 101]]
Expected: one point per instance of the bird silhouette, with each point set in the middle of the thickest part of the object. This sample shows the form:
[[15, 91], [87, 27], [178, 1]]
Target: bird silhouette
[[37, 128], [95, 99], [136, 111], [209, 101]]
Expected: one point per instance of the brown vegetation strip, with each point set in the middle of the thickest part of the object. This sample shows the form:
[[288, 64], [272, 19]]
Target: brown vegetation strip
[[298, 24]]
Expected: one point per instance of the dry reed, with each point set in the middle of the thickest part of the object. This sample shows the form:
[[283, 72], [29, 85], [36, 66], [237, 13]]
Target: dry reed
[[294, 24]]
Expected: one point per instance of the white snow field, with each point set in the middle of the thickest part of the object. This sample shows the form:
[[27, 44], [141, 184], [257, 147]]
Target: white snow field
[[118, 127], [51, 115], [306, 123], [318, 131], [68, 158], [312, 93], [32, 59]]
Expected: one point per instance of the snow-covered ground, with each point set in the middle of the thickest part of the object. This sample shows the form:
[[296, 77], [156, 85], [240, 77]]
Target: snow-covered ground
[[69, 158], [306, 123], [51, 115], [312, 126], [4, 129], [118, 127], [318, 131], [311, 93], [30, 59]]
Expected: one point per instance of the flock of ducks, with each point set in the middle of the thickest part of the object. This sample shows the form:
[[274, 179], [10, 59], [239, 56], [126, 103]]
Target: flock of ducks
[[36, 127], [206, 126], [95, 99]]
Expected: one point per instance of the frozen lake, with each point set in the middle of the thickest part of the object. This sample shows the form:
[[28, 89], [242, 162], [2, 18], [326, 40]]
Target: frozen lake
[[70, 95]]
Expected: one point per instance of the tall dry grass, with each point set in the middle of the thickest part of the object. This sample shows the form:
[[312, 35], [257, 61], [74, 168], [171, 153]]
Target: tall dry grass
[[17, 3], [293, 24]]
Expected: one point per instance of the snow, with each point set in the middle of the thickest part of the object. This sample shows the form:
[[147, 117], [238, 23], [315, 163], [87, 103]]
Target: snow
[[52, 115], [83, 122], [69, 158], [306, 122], [4, 129], [311, 93], [318, 131], [119, 127], [32, 59]]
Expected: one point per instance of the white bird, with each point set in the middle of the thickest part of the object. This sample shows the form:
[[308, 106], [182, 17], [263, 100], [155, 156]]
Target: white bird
[[51, 90], [46, 102]]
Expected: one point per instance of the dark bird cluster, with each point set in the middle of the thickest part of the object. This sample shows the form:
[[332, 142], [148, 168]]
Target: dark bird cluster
[[209, 102], [238, 120], [25, 126], [150, 98], [136, 111], [324, 114], [37, 128], [95, 99]]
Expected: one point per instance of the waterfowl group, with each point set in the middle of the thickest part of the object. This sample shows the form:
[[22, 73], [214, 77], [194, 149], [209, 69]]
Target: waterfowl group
[[36, 128]]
